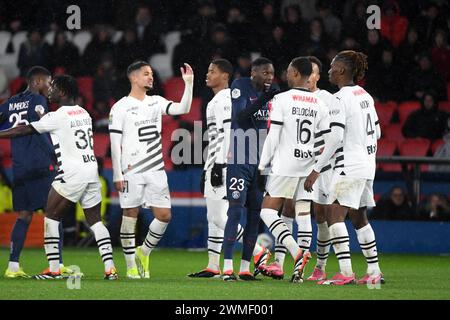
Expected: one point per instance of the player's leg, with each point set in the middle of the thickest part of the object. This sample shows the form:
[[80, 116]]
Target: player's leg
[[91, 202], [366, 237], [303, 219], [130, 201], [323, 242], [216, 213], [157, 197], [237, 183], [287, 216], [57, 206]]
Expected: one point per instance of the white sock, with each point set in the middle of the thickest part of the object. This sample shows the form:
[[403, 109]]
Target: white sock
[[228, 265], [341, 246], [51, 243], [304, 234], [279, 230], [155, 233], [128, 240], [240, 233], [215, 239], [104, 244], [245, 266], [280, 250], [366, 239], [13, 266], [323, 245]]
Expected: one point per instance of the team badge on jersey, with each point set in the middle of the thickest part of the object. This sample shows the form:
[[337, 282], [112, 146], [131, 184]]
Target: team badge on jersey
[[236, 195], [110, 118], [40, 109], [236, 93]]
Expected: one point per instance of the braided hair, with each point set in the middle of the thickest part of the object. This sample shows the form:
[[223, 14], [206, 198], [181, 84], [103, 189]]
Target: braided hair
[[355, 61]]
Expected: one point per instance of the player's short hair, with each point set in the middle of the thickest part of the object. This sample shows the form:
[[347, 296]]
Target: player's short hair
[[314, 59], [302, 65], [260, 62], [37, 71], [224, 65], [136, 66], [67, 84]]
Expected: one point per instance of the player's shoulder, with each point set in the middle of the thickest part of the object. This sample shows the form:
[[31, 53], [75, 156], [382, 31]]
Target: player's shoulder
[[239, 87], [124, 101], [153, 99], [223, 95]]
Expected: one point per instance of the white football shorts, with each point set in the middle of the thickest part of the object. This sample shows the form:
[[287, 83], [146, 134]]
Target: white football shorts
[[289, 188], [351, 192], [87, 194], [148, 189]]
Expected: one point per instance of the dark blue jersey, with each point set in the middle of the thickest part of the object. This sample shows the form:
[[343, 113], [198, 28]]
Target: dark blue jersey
[[33, 154], [243, 94]]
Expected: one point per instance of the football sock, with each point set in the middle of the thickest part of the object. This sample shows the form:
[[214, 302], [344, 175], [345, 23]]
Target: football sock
[[51, 243], [341, 246], [323, 245], [61, 241], [128, 240], [155, 233], [228, 265], [304, 234], [250, 234], [366, 239], [104, 244], [280, 231], [235, 213], [280, 250], [18, 236], [215, 239], [245, 266]]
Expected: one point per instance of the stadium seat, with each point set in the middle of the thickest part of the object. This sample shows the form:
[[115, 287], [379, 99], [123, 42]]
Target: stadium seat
[[387, 148], [85, 85], [5, 37], [162, 64], [393, 132], [436, 145], [171, 40], [15, 85], [385, 112], [5, 152], [174, 88], [444, 106], [101, 144], [415, 147], [17, 39], [81, 40], [196, 111], [405, 108]]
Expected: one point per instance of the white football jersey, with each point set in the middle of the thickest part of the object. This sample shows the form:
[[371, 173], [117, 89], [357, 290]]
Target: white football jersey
[[70, 128], [354, 110], [217, 111], [304, 119], [139, 123]]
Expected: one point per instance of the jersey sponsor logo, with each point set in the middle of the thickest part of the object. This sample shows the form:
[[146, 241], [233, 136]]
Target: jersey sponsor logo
[[359, 92], [298, 153], [236, 93], [307, 112], [88, 158], [145, 122], [301, 98], [76, 112], [18, 105], [262, 115]]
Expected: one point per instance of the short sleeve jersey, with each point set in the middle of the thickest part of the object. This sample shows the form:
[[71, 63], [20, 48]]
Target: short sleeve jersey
[[70, 128], [353, 109], [302, 116], [139, 123]]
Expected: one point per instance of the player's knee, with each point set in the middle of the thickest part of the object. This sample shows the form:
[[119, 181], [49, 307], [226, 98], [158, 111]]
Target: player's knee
[[26, 216], [163, 215], [131, 212]]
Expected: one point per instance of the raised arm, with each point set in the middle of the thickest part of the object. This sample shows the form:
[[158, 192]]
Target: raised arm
[[184, 106], [16, 132]]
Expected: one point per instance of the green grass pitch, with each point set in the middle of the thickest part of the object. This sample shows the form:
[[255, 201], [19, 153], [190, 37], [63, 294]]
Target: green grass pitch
[[407, 277]]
